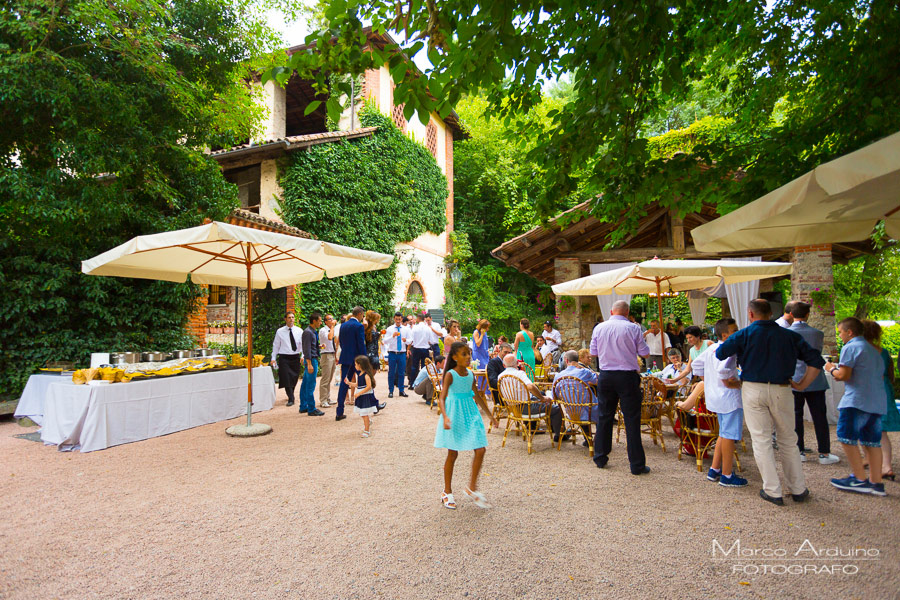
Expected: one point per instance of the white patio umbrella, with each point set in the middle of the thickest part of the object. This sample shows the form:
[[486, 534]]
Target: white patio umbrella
[[839, 201], [223, 254], [658, 276]]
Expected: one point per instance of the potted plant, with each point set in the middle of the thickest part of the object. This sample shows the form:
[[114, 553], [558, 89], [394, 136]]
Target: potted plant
[[227, 327], [214, 327]]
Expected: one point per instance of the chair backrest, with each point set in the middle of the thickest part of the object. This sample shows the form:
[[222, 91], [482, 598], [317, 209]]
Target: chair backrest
[[574, 396], [529, 370], [514, 394]]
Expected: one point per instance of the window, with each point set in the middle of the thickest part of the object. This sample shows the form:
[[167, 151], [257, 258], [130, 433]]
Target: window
[[431, 138], [415, 292], [247, 179], [218, 295], [397, 116]]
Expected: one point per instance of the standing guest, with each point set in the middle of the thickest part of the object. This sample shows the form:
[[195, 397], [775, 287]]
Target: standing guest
[[524, 344], [814, 395], [353, 343], [423, 384], [481, 343], [327, 350], [552, 341], [435, 334], [860, 409], [364, 404], [696, 346], [654, 339], [680, 338], [616, 344], [495, 367], [787, 319], [373, 338], [396, 338], [722, 392], [310, 343], [453, 334], [461, 427], [891, 419], [286, 355], [768, 356], [419, 347]]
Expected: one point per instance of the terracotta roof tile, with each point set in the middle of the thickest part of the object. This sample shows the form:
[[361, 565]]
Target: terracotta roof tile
[[245, 218], [293, 142]]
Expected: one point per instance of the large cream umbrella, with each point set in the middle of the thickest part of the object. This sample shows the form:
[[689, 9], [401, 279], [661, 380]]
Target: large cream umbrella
[[659, 276], [223, 254], [839, 201]]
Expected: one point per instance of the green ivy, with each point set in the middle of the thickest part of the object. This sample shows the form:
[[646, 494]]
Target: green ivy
[[370, 193], [677, 306], [269, 307]]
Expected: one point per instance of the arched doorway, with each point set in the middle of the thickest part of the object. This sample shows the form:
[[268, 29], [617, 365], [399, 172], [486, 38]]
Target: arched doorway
[[415, 292]]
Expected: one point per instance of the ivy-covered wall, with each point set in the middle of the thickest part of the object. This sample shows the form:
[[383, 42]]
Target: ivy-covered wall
[[370, 193]]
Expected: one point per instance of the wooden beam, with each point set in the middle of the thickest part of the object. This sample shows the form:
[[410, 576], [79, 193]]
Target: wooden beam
[[677, 231], [637, 254], [526, 242]]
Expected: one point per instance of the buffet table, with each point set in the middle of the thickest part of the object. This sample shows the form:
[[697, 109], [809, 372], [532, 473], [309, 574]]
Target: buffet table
[[31, 404], [94, 417]]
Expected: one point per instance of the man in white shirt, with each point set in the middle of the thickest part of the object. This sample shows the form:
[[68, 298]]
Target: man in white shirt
[[328, 342], [654, 337], [396, 338], [787, 319], [286, 356], [419, 346], [435, 334], [722, 392], [552, 339]]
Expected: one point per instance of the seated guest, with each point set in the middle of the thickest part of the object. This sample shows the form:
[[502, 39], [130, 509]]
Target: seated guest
[[495, 367], [539, 346], [673, 369], [574, 368], [423, 384], [539, 403]]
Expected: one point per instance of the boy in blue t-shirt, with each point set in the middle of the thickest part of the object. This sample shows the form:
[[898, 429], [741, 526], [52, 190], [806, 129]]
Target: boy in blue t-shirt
[[862, 370]]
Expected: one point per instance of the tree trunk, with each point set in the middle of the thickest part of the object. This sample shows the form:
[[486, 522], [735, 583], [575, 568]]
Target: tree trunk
[[866, 291]]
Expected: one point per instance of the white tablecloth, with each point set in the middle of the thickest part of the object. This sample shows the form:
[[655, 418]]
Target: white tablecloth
[[95, 417], [31, 404]]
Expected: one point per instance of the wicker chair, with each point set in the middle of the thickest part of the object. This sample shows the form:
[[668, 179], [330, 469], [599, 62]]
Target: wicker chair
[[517, 399], [529, 370], [669, 398], [699, 431], [652, 409], [576, 400], [435, 378]]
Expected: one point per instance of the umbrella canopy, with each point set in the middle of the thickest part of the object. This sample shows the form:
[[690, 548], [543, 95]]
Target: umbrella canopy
[[839, 201], [223, 254], [658, 276], [219, 253]]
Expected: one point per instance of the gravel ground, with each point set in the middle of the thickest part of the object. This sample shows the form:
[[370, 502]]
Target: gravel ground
[[315, 511]]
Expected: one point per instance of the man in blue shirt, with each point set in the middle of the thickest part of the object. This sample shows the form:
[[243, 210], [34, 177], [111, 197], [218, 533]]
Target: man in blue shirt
[[767, 354], [814, 395], [576, 369], [860, 409]]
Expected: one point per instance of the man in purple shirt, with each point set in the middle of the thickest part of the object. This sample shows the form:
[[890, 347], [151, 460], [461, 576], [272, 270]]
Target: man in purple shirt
[[616, 344]]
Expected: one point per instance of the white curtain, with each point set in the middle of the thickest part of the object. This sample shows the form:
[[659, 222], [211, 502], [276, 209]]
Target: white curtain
[[607, 301], [697, 300], [740, 295]]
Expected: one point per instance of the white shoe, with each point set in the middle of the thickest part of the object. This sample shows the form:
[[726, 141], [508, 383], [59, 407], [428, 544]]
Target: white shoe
[[325, 405], [828, 459], [802, 457]]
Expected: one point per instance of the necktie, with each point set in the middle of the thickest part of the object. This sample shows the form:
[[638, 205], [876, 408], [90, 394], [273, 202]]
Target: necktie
[[398, 339], [293, 341]]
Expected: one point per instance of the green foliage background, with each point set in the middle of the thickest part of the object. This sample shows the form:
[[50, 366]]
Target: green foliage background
[[370, 193]]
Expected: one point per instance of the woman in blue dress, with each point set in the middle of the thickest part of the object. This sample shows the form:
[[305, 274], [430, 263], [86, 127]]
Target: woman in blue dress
[[480, 350], [460, 426]]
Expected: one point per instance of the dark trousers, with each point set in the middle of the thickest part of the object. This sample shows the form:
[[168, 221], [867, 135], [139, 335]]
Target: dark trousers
[[816, 403], [418, 361], [396, 370], [288, 373], [615, 388], [436, 351], [347, 372]]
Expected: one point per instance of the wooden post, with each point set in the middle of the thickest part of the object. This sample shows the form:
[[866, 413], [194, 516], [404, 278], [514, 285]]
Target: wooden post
[[249, 337]]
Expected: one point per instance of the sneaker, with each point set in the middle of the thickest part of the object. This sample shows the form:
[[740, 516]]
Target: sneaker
[[803, 457], [852, 484], [325, 405], [390, 394], [878, 489], [713, 475], [733, 480], [828, 459]]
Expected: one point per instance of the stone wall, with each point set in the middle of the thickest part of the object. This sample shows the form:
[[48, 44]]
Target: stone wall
[[568, 308], [813, 269]]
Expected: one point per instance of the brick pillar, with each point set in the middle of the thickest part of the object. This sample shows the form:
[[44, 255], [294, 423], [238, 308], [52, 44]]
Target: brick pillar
[[196, 325], [568, 308], [813, 269]]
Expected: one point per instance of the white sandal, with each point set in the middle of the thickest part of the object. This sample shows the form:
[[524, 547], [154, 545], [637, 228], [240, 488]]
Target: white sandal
[[448, 501], [479, 498], [364, 434]]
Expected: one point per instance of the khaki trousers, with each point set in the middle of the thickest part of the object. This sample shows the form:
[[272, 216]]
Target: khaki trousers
[[326, 371], [766, 406]]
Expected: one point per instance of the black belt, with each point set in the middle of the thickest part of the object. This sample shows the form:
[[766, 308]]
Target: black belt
[[396, 352]]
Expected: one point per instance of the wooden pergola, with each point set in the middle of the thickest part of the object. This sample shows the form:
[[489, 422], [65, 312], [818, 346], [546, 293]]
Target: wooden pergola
[[558, 252]]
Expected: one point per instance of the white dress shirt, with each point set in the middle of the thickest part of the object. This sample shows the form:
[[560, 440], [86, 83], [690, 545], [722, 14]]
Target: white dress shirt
[[390, 342], [434, 338], [419, 337], [719, 399], [783, 322], [324, 341], [552, 339], [282, 343], [654, 342]]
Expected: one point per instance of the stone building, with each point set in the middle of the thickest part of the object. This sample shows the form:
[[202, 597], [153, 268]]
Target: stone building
[[253, 167]]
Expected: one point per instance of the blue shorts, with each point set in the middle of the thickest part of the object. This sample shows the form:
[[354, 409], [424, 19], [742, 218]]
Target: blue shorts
[[731, 425], [859, 427]]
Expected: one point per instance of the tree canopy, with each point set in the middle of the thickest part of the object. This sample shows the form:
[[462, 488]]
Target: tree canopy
[[801, 82]]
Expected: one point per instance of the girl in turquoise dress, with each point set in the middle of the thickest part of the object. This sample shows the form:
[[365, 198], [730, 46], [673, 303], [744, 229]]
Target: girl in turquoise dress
[[461, 427], [524, 344]]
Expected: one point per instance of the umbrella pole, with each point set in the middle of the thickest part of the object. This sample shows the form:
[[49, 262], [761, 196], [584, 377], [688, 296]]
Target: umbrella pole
[[249, 345], [662, 327]]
